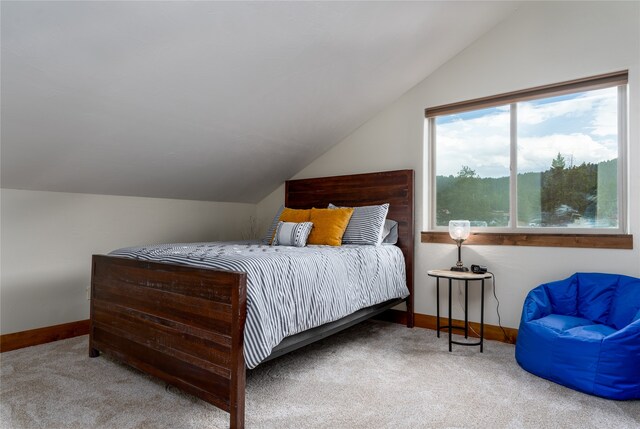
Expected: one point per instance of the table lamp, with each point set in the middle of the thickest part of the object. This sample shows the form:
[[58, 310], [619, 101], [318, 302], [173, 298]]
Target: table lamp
[[459, 231]]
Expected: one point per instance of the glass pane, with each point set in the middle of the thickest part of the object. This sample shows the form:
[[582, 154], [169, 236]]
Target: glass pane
[[472, 167], [568, 161]]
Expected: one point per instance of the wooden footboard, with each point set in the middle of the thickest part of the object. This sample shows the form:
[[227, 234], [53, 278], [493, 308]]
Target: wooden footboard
[[182, 324]]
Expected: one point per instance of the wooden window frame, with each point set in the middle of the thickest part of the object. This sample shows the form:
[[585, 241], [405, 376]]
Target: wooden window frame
[[583, 84], [591, 241]]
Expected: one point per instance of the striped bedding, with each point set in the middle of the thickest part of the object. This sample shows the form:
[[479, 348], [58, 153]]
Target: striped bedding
[[292, 289]]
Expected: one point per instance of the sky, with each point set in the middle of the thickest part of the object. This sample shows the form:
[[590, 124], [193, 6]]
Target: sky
[[583, 127]]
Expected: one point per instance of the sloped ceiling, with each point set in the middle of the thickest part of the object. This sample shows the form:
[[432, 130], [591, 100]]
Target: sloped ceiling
[[217, 101]]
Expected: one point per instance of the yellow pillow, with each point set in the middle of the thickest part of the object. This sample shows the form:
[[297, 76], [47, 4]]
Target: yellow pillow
[[295, 215], [329, 225]]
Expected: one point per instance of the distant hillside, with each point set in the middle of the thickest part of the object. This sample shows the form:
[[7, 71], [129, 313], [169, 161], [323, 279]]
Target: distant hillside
[[559, 196]]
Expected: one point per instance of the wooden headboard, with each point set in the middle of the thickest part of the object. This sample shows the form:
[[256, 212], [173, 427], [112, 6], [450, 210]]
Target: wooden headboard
[[393, 187]]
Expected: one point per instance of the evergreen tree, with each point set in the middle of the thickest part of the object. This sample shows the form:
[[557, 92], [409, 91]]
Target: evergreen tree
[[558, 196], [553, 190]]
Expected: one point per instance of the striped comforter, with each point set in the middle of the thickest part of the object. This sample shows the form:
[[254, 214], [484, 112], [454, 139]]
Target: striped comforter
[[292, 289]]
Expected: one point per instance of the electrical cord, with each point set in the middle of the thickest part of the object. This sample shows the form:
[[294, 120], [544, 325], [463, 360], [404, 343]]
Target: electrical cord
[[493, 279]]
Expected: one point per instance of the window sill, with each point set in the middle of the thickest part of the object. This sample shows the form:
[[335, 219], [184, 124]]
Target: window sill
[[595, 241]]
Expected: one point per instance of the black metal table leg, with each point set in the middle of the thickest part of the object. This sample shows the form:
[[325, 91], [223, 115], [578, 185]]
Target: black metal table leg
[[482, 318], [438, 305], [466, 308], [450, 315]]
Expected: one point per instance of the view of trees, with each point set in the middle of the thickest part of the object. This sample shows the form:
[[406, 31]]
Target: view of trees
[[582, 195]]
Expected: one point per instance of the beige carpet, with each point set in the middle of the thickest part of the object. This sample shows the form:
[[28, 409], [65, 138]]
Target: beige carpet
[[375, 375]]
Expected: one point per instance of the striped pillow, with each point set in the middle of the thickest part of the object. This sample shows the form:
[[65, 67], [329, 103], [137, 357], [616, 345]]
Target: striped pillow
[[272, 228], [365, 225], [292, 234]]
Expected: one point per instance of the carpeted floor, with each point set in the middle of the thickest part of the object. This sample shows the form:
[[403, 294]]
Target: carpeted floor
[[375, 375]]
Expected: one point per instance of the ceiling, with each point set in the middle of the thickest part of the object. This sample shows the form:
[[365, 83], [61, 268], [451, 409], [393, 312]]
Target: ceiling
[[218, 101]]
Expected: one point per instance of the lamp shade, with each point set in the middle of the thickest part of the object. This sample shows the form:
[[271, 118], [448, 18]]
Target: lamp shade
[[459, 229]]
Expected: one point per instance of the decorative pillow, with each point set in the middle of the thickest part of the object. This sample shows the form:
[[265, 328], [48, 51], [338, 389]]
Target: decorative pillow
[[366, 224], [292, 234], [295, 215], [390, 232], [286, 215], [329, 225], [272, 228]]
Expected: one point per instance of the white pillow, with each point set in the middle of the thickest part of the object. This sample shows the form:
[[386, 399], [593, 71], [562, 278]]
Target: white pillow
[[272, 228], [366, 225], [292, 234], [390, 232]]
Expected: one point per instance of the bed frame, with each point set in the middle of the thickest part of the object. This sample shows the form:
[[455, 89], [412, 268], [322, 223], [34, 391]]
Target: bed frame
[[185, 325]]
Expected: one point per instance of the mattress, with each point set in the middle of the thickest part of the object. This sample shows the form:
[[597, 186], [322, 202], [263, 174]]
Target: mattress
[[292, 289]]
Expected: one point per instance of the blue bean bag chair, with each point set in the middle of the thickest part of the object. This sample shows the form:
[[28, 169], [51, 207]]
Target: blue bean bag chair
[[584, 333]]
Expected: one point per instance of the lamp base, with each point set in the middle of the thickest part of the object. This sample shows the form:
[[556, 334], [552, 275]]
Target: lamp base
[[465, 269]]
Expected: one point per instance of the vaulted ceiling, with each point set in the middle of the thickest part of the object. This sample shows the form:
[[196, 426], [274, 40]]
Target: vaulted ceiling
[[217, 101]]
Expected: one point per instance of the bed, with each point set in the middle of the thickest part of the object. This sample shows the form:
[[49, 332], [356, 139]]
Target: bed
[[186, 324]]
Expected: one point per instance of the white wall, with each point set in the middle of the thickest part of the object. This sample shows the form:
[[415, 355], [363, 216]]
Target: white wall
[[48, 239], [541, 43]]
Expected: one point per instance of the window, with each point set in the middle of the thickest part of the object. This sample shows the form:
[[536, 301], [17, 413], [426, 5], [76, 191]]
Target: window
[[548, 159]]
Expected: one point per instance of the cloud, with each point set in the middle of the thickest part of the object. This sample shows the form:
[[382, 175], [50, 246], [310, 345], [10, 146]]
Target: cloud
[[593, 112], [605, 121], [490, 160], [536, 153], [583, 128], [530, 113], [481, 143]]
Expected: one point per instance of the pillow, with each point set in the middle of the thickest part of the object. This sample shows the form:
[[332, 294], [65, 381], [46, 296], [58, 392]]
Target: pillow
[[295, 215], [272, 228], [329, 225], [285, 215], [366, 224], [292, 234], [390, 232]]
